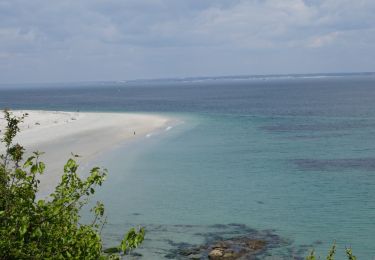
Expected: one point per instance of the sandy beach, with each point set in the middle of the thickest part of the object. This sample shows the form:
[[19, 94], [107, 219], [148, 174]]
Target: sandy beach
[[59, 134]]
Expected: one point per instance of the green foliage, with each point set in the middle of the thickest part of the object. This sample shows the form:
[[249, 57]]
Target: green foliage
[[332, 251], [350, 255], [311, 256], [331, 254], [50, 228], [132, 240]]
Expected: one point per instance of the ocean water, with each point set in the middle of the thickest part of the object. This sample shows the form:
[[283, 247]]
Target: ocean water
[[290, 160]]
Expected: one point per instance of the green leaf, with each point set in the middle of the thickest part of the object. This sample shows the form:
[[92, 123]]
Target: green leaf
[[41, 203], [23, 229], [34, 169], [41, 167], [29, 162], [37, 232]]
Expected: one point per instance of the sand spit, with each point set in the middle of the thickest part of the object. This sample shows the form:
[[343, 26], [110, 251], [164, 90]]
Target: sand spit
[[59, 134]]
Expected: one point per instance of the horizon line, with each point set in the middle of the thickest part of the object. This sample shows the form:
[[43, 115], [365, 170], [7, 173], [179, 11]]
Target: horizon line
[[191, 78]]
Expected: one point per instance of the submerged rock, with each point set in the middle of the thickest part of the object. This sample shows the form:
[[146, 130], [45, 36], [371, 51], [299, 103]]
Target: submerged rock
[[236, 248], [230, 241], [229, 249]]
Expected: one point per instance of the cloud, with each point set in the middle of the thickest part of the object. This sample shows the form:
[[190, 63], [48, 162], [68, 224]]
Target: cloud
[[320, 41], [69, 36]]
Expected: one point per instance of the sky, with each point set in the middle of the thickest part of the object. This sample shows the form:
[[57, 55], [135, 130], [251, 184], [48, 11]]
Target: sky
[[99, 40]]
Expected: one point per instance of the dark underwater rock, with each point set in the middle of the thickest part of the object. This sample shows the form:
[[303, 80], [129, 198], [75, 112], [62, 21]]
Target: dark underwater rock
[[235, 248], [225, 241], [229, 249]]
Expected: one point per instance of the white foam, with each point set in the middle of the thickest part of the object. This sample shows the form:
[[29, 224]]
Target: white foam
[[168, 128]]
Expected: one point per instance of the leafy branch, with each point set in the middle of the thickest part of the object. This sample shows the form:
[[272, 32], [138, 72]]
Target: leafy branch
[[50, 228]]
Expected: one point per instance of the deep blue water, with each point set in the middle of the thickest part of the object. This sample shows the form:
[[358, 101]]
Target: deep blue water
[[291, 155]]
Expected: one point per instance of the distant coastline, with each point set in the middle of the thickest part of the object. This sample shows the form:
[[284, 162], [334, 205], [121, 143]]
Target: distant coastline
[[250, 77], [4, 86]]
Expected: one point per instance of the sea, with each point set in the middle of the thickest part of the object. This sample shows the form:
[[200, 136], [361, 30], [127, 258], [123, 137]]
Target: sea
[[288, 159]]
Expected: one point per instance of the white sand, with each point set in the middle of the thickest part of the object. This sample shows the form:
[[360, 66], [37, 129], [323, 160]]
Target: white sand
[[87, 134]]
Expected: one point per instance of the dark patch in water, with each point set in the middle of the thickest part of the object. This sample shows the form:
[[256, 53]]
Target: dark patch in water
[[219, 226], [329, 126], [135, 255], [366, 164], [234, 233], [197, 241], [184, 226], [315, 136], [136, 214]]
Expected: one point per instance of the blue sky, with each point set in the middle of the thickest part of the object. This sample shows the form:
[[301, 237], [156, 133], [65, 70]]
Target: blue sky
[[89, 40]]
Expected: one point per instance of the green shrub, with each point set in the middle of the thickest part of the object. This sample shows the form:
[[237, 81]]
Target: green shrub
[[50, 228], [331, 254]]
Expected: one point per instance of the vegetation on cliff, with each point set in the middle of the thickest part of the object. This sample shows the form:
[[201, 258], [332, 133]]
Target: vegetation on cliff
[[50, 228]]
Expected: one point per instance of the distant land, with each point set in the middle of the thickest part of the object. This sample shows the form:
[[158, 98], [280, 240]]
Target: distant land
[[245, 77], [182, 79]]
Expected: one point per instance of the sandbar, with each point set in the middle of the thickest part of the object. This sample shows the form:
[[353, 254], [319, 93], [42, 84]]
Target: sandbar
[[59, 134]]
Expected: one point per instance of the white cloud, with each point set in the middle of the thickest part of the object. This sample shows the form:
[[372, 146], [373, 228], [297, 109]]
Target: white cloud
[[322, 40], [132, 33]]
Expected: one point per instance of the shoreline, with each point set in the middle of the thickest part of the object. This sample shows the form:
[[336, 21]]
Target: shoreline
[[89, 134]]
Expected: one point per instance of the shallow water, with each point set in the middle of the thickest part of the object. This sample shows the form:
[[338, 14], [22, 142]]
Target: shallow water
[[203, 176], [295, 156]]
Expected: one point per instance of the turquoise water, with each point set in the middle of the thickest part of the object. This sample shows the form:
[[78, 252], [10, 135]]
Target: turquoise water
[[236, 169], [291, 160]]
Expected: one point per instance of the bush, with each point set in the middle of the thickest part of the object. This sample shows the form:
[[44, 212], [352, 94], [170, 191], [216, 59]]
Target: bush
[[32, 228], [331, 254]]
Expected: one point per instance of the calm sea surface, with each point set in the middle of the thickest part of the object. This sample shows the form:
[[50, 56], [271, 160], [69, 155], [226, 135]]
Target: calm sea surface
[[293, 159]]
